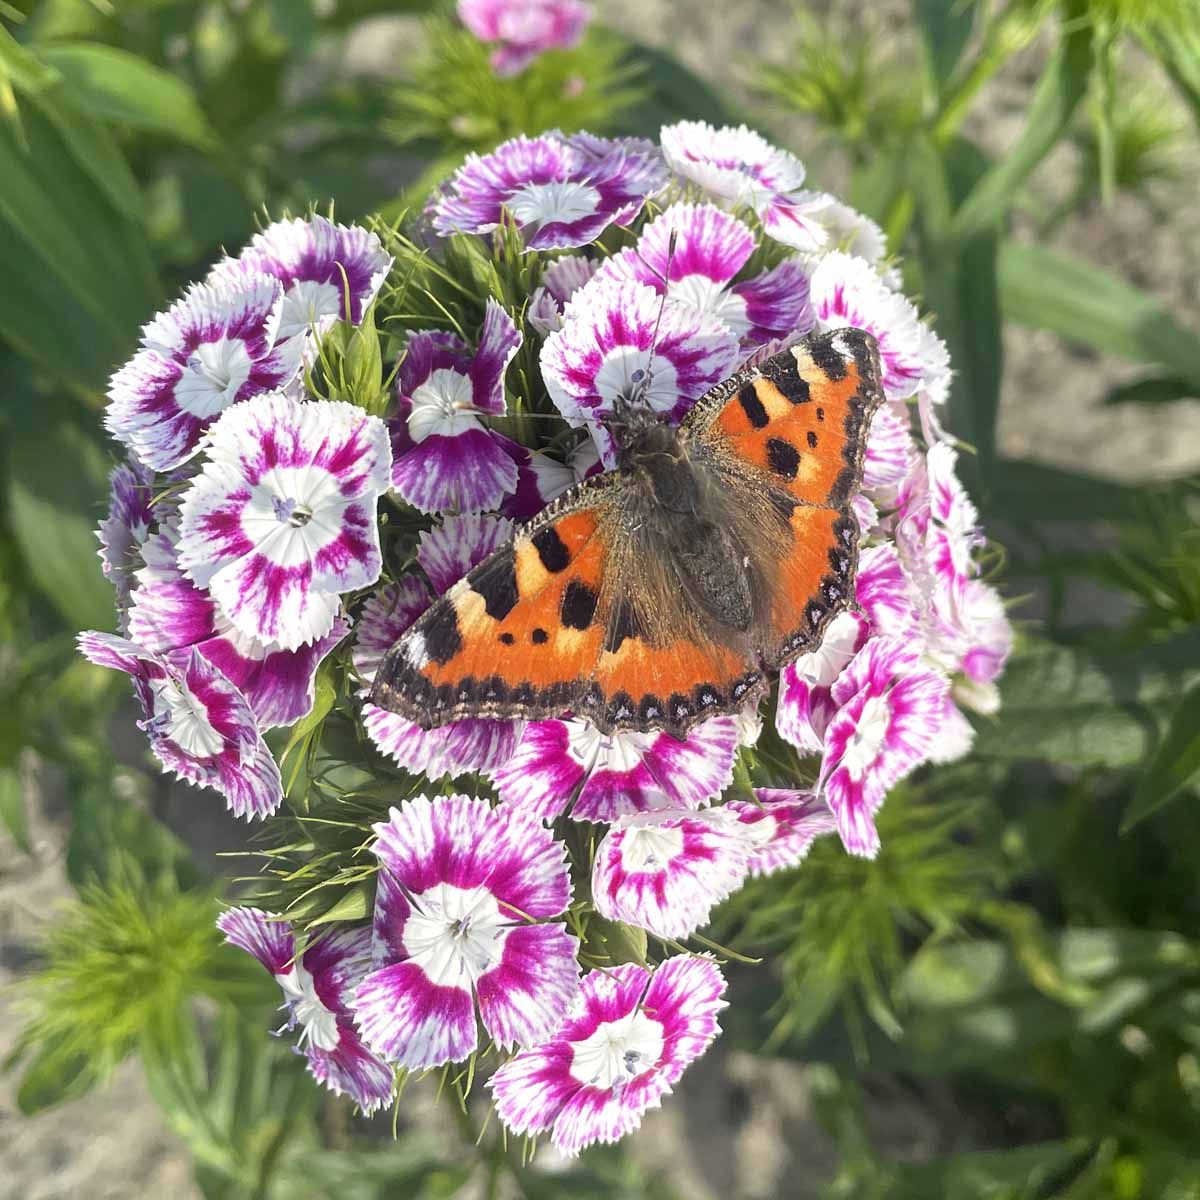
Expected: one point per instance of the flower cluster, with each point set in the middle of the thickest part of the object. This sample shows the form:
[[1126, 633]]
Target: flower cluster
[[244, 541]]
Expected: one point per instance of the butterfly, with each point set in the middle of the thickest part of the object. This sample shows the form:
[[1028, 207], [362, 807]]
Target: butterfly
[[673, 587]]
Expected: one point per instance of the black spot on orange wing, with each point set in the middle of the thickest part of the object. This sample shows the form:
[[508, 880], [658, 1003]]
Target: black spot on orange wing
[[783, 458], [539, 637], [496, 582], [752, 406], [442, 638], [578, 606], [551, 549]]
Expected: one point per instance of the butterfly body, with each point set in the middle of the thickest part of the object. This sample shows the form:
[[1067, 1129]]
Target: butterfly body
[[670, 588]]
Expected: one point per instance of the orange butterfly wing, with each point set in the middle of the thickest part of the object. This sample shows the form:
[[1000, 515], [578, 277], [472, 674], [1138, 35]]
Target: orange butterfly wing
[[796, 426], [540, 628]]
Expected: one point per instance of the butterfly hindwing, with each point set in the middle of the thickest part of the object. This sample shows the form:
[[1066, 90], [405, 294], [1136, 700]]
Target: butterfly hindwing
[[548, 625]]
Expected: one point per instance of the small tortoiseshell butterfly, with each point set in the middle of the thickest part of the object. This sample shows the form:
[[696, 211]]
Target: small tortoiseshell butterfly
[[669, 589]]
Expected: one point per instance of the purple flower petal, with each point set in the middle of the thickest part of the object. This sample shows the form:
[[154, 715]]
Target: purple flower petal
[[609, 776], [781, 827], [213, 348], [627, 1041], [459, 882], [170, 616], [122, 532], [891, 712], [524, 29], [562, 192], [805, 699], [604, 351], [282, 518], [200, 726], [449, 550], [848, 291], [267, 936], [462, 473], [665, 872], [540, 479]]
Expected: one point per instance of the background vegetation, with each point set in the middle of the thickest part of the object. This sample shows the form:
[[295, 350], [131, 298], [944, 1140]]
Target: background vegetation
[[1023, 961]]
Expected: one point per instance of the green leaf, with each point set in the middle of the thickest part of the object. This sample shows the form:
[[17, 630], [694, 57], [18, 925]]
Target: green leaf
[[1025, 491], [945, 27], [78, 271], [355, 905], [54, 1076], [1175, 764], [1154, 389], [1022, 1173], [1078, 708], [114, 85], [1051, 109], [12, 807], [1178, 51], [1048, 289], [959, 275], [57, 479]]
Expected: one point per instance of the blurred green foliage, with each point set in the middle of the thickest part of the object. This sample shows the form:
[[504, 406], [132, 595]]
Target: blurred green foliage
[[1024, 954]]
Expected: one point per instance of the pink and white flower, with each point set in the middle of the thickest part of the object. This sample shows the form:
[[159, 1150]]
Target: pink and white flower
[[463, 922], [281, 520], [629, 1038], [561, 764], [328, 272], [200, 727], [540, 479], [524, 29], [846, 290], [216, 346], [742, 168], [560, 191], [665, 871], [891, 713], [805, 703], [560, 281], [122, 532], [445, 459], [317, 986], [446, 553], [711, 247], [614, 344], [171, 616], [781, 827]]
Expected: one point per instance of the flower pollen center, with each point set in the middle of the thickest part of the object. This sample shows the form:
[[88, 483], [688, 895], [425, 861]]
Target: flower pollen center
[[555, 203], [617, 1052], [455, 934]]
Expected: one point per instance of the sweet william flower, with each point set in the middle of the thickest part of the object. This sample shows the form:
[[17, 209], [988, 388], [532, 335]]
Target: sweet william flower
[[281, 520], [126, 527], [445, 459], [627, 1041], [464, 924], [742, 168], [316, 987], [560, 191], [780, 827], [524, 29], [169, 615], [200, 727], [213, 348], [665, 871], [327, 271], [570, 764]]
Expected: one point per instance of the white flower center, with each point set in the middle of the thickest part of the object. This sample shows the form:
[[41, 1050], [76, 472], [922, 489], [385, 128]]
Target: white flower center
[[623, 373], [542, 204], [212, 376], [293, 513], [455, 934], [650, 847], [759, 833], [180, 717], [596, 751], [306, 305], [442, 405], [708, 297], [618, 1052], [868, 737], [318, 1024]]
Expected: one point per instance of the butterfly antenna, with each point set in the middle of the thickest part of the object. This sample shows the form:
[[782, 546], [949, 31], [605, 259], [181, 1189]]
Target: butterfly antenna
[[648, 374]]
